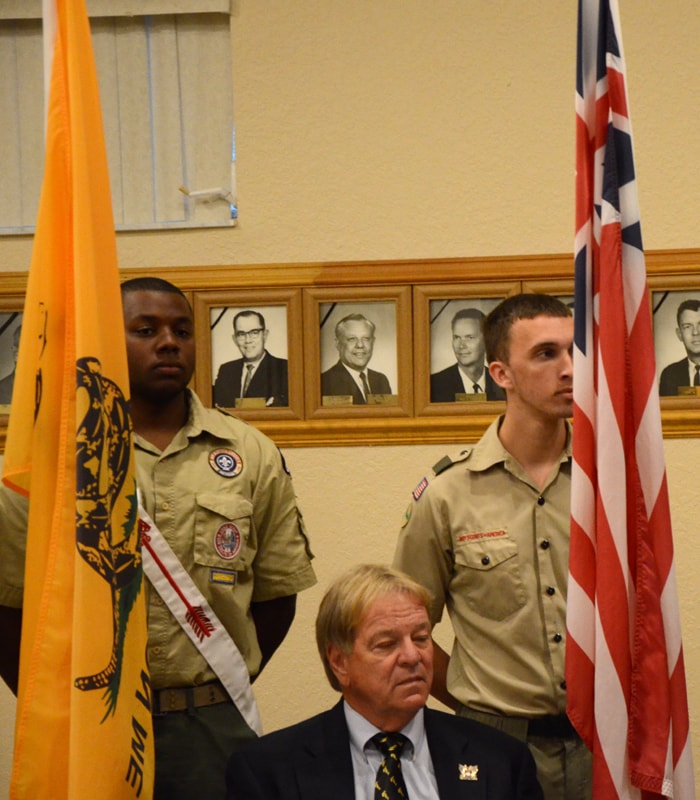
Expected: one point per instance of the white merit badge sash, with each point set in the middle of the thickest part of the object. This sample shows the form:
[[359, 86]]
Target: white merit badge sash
[[197, 618]]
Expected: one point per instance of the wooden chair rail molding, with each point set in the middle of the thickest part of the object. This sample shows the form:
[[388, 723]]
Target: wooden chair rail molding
[[304, 291]]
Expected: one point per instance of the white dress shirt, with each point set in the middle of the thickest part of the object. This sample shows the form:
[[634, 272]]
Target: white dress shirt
[[468, 383], [416, 763]]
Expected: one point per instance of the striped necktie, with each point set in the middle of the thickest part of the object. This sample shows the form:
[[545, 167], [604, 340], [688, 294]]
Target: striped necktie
[[247, 379], [365, 384]]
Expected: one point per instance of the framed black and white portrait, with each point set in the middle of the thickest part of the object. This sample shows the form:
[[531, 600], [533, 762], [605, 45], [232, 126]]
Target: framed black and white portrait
[[251, 351], [10, 329], [676, 316], [451, 375], [359, 343]]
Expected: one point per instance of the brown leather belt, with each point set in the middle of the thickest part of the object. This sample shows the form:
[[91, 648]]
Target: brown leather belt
[[189, 697]]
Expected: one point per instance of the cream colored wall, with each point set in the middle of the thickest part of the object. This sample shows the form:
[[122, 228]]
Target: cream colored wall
[[426, 128]]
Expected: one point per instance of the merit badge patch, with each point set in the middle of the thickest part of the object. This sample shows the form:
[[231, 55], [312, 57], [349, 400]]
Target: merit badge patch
[[222, 576], [226, 463], [227, 541], [418, 491]]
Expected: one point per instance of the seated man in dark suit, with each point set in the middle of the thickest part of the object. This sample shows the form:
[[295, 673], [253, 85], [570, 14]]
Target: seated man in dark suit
[[380, 741], [685, 372], [469, 374], [354, 338], [258, 374]]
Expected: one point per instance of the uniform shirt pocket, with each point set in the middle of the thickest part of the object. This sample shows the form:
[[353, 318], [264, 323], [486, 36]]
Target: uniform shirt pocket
[[222, 531], [488, 574]]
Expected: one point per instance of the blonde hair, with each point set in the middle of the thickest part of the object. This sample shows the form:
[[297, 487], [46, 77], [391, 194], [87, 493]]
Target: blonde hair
[[348, 598]]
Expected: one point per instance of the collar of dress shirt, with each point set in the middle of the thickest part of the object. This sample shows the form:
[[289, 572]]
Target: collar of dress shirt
[[361, 731]]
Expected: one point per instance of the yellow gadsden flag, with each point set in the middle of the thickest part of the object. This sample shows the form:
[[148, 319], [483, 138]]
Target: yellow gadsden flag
[[83, 728]]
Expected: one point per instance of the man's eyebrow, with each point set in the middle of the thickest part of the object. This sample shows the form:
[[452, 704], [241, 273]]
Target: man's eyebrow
[[393, 631], [540, 345], [550, 343], [156, 317]]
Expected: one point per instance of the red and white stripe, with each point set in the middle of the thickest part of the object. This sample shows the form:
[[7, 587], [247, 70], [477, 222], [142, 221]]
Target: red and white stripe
[[625, 674]]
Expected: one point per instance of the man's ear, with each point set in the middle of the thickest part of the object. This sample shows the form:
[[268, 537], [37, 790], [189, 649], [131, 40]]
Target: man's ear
[[679, 334], [338, 661], [501, 374]]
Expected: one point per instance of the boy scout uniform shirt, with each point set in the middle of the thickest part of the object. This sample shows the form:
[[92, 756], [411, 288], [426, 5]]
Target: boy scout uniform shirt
[[221, 497], [494, 548]]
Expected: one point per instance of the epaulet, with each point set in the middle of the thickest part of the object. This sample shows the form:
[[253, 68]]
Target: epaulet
[[444, 463], [448, 461]]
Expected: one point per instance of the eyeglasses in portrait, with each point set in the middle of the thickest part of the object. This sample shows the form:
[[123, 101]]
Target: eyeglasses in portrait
[[249, 356]]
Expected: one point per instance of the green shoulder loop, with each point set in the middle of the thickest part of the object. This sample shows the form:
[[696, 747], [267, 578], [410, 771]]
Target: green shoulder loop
[[449, 461]]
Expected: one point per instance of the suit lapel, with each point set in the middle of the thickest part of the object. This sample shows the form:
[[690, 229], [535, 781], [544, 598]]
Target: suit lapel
[[448, 755], [260, 380], [456, 385], [324, 767]]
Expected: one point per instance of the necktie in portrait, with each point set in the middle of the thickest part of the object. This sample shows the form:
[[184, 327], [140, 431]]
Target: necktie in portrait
[[365, 384], [246, 381]]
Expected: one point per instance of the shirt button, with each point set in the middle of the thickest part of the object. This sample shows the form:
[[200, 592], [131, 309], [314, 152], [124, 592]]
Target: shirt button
[[551, 590], [485, 560], [540, 501], [544, 544], [557, 637], [165, 506]]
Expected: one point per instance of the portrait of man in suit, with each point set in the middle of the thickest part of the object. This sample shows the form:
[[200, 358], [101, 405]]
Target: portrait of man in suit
[[257, 375], [686, 371], [380, 740], [469, 375], [350, 376], [8, 379]]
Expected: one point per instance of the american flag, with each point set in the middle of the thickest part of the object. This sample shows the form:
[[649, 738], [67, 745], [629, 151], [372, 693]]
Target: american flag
[[624, 667]]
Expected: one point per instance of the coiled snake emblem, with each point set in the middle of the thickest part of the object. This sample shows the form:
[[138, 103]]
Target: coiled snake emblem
[[106, 510]]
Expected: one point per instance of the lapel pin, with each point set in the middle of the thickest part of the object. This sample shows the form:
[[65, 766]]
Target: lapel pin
[[468, 772]]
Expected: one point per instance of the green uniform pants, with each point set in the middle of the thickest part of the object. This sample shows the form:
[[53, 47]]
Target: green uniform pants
[[192, 751]]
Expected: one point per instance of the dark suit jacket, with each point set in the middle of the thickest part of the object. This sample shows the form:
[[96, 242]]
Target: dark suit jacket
[[312, 761], [673, 376], [444, 385], [338, 381], [269, 381]]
